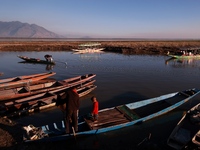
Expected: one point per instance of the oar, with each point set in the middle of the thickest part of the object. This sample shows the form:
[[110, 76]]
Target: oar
[[74, 133], [61, 62]]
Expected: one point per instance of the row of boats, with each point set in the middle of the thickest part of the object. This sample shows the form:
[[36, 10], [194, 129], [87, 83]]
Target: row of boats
[[186, 134], [112, 118], [30, 93]]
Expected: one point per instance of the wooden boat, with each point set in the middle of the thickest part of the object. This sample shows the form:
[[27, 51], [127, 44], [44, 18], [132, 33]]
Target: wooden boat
[[186, 129], [43, 87], [196, 139], [35, 60], [23, 80], [9, 93], [24, 77], [41, 101], [186, 53], [116, 117]]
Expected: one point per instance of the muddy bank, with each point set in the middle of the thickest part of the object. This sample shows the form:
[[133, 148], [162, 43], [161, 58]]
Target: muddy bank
[[125, 47], [11, 134]]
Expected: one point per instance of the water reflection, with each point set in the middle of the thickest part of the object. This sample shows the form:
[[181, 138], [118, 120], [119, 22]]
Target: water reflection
[[182, 63], [48, 67], [89, 56]]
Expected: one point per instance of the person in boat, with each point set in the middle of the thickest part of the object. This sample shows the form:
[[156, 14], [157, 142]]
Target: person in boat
[[69, 103], [95, 109], [48, 58]]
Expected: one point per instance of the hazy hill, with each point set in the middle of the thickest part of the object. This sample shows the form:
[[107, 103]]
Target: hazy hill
[[24, 30]]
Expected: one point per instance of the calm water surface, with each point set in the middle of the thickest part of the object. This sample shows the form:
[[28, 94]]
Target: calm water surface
[[120, 79]]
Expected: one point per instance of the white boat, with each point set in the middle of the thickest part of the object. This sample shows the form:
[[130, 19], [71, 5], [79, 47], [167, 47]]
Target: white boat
[[88, 48]]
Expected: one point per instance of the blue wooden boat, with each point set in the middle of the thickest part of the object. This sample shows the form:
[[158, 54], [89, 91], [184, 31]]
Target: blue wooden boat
[[186, 131], [113, 118]]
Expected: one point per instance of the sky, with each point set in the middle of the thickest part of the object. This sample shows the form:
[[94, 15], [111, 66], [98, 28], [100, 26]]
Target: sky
[[108, 18]]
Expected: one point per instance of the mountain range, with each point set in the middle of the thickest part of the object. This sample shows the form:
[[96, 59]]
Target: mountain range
[[16, 29]]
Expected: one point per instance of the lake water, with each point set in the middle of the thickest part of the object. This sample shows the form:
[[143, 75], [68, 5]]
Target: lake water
[[120, 79]]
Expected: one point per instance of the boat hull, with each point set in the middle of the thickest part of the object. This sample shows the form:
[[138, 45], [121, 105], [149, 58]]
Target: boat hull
[[185, 130], [185, 56], [121, 116], [24, 81]]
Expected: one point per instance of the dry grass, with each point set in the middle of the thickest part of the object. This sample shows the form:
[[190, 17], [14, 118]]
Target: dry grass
[[129, 47]]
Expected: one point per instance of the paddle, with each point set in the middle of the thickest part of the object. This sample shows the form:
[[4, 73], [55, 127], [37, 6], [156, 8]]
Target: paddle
[[145, 139], [61, 62], [74, 133]]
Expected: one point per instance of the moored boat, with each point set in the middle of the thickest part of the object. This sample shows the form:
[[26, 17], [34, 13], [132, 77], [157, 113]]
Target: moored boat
[[186, 53], [196, 139], [24, 77], [23, 80], [41, 101], [36, 89], [36, 60], [88, 48], [115, 117], [186, 129]]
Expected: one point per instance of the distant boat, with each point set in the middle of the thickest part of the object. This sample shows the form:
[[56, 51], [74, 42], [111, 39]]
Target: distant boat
[[88, 48], [186, 53], [114, 118], [186, 129], [36, 60]]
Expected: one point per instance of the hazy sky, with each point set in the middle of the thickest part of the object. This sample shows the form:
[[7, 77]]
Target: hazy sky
[[108, 18]]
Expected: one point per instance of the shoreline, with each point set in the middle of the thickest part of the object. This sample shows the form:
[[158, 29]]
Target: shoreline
[[153, 47], [10, 131]]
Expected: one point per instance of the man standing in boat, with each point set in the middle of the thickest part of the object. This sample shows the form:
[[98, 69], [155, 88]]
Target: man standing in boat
[[48, 58], [69, 103]]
